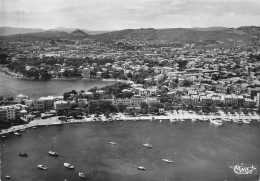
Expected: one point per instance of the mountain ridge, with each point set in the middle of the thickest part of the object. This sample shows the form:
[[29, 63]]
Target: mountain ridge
[[227, 35]]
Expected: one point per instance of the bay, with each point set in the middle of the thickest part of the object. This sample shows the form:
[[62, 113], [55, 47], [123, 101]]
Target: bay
[[10, 86], [200, 151]]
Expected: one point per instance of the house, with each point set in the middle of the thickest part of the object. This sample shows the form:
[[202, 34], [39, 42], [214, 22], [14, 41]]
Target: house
[[60, 105], [186, 100]]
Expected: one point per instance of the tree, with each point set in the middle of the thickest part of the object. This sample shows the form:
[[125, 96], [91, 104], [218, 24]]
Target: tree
[[121, 107]]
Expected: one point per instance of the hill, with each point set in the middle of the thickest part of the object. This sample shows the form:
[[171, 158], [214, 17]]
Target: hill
[[210, 28], [35, 36], [69, 30], [229, 35], [78, 33], [6, 31]]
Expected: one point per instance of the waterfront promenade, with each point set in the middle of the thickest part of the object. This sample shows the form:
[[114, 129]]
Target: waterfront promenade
[[169, 116]]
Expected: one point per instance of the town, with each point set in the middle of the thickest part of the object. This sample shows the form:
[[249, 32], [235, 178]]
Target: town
[[158, 77]]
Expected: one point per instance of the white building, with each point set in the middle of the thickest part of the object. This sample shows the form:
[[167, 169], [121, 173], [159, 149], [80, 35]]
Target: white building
[[60, 105]]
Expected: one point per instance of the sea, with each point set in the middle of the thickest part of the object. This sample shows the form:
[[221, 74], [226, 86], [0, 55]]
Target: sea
[[199, 151]]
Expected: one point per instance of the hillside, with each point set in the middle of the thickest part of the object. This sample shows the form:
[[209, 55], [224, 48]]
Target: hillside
[[35, 36], [6, 31], [69, 30], [230, 36], [179, 34]]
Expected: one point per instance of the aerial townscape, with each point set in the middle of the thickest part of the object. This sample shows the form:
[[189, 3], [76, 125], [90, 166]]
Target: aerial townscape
[[156, 75], [135, 90]]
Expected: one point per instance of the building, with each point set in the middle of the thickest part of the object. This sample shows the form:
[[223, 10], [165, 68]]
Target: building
[[61, 105], [136, 100], [9, 113], [151, 100], [86, 73], [186, 100], [48, 102], [21, 97]]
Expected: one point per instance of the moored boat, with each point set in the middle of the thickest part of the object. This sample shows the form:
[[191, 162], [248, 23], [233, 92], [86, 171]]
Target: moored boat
[[53, 153], [147, 145], [141, 168], [69, 166], [3, 136], [8, 177], [112, 143], [217, 122], [17, 134], [246, 121], [23, 154], [82, 175], [167, 160], [42, 167]]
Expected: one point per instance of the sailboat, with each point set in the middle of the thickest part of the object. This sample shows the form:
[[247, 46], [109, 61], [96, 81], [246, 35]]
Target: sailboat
[[53, 153], [147, 144]]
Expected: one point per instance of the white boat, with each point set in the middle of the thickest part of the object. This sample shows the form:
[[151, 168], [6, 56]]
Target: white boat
[[167, 160], [193, 120], [112, 143], [147, 145], [246, 121], [67, 165], [42, 167], [3, 136], [140, 168], [17, 134], [34, 127], [22, 130], [216, 122], [172, 120], [53, 153], [82, 175], [8, 177]]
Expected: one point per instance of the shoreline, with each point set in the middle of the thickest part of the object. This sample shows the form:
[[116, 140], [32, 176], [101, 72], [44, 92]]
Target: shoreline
[[172, 118], [7, 72]]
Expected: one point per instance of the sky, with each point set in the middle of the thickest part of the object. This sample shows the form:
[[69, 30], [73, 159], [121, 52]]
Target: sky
[[124, 14]]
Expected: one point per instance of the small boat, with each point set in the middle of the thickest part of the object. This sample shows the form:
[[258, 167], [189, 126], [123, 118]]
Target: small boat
[[172, 120], [216, 122], [167, 160], [69, 166], [8, 177], [42, 167], [3, 136], [53, 153], [112, 143], [22, 130], [82, 175], [34, 127], [246, 121], [23, 154], [140, 168], [193, 120], [17, 134], [147, 145]]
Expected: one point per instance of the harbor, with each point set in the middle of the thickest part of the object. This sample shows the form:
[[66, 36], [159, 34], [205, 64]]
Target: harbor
[[172, 117], [186, 150]]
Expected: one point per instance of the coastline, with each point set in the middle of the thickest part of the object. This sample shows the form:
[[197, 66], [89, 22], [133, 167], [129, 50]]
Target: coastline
[[7, 72], [179, 117]]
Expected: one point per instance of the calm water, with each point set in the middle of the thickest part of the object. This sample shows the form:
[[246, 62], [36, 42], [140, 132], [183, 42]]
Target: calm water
[[200, 151], [10, 86]]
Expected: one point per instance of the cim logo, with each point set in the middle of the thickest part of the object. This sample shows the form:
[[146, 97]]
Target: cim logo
[[244, 170], [240, 169]]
